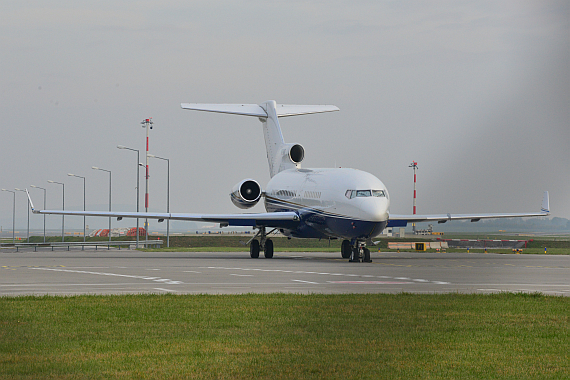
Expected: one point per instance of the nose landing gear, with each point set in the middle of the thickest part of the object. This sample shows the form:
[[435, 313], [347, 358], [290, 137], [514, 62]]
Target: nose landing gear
[[355, 251]]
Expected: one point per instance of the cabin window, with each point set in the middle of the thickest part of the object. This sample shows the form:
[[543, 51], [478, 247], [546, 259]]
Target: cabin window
[[285, 193]]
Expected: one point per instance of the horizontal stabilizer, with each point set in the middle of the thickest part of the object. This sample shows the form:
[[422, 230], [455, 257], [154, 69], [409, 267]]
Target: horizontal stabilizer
[[293, 110], [236, 109], [282, 110]]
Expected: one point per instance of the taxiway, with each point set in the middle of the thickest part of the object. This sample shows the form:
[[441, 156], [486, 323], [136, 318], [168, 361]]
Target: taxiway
[[129, 272]]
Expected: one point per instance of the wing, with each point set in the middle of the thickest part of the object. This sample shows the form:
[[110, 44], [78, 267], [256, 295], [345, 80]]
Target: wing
[[403, 220], [270, 219]]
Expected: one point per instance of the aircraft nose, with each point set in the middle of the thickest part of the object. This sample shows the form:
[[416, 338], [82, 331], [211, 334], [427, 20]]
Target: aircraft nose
[[377, 210]]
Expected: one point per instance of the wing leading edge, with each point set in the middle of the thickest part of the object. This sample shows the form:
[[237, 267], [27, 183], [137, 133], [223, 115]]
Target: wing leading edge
[[403, 220]]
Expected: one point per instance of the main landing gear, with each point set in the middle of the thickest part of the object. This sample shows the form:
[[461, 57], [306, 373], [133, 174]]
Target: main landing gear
[[263, 243], [354, 251]]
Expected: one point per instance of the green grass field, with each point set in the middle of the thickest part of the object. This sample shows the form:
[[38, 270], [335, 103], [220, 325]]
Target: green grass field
[[283, 336], [235, 243], [221, 243]]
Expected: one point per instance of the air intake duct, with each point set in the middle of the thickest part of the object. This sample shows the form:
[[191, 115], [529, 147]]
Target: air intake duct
[[246, 194]]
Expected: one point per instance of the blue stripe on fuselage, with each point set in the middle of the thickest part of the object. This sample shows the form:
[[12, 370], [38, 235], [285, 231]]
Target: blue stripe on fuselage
[[320, 224]]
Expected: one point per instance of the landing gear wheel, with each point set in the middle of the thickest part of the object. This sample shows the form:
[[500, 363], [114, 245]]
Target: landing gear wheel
[[268, 251], [254, 249], [345, 249], [366, 256], [355, 258]]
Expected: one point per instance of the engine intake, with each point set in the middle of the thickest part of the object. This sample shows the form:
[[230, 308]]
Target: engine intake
[[296, 153], [246, 194]]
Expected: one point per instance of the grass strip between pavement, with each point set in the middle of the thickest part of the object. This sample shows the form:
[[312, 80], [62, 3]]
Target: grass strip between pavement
[[285, 336]]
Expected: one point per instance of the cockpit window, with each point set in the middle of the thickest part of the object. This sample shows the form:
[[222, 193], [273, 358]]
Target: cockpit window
[[364, 193]]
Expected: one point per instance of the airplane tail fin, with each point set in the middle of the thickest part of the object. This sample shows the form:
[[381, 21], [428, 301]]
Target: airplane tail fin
[[280, 155]]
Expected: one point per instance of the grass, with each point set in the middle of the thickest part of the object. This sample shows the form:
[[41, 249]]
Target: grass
[[285, 336], [225, 243], [236, 243]]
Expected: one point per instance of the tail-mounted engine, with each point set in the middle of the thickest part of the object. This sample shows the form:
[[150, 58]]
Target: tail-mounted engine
[[291, 156], [296, 153], [246, 194]]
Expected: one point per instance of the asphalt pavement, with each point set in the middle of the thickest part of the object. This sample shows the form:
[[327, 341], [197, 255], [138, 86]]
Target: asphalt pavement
[[129, 272]]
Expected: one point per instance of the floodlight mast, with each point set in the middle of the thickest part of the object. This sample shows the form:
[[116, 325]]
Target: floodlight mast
[[28, 236], [13, 214], [167, 196], [41, 188], [62, 207], [146, 123], [414, 165], [78, 176], [138, 197]]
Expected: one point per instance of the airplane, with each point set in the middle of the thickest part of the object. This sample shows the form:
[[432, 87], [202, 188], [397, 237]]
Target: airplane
[[322, 203]]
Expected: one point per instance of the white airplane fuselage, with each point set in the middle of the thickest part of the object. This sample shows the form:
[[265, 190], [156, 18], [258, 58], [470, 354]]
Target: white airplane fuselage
[[343, 203]]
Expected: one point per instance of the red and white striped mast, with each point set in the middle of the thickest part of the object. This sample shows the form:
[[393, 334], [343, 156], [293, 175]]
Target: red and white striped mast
[[146, 123], [414, 165]]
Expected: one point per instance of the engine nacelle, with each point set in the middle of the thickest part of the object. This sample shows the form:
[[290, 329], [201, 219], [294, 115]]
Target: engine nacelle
[[246, 194], [296, 153], [290, 156]]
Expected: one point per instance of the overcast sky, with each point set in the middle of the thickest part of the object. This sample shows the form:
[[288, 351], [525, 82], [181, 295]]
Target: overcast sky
[[477, 92]]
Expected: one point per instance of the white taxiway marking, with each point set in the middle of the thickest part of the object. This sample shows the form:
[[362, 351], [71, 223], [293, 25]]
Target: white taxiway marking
[[166, 290], [330, 274], [241, 275], [157, 279], [306, 282]]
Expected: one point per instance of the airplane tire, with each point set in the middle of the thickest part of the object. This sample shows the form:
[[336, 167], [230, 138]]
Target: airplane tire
[[366, 256], [268, 251], [355, 255], [345, 249], [254, 249]]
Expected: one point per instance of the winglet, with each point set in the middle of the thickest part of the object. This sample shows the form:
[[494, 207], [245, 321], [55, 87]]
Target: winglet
[[545, 203], [31, 203]]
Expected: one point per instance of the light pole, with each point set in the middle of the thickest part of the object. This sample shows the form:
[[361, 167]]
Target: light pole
[[414, 165], [138, 194], [28, 200], [37, 187], [146, 123], [108, 171], [13, 214], [167, 196], [62, 207], [78, 176], [141, 165]]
